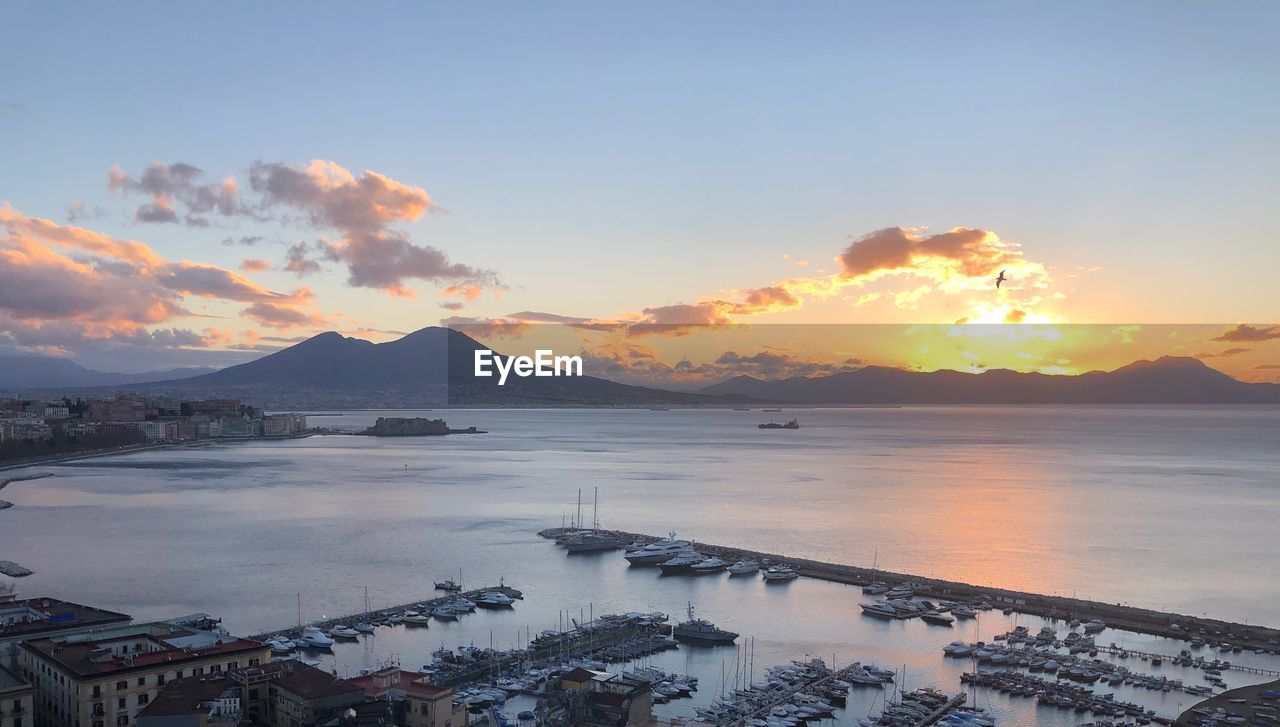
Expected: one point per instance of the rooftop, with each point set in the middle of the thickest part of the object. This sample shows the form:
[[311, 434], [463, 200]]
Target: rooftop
[[187, 696], [134, 648], [305, 681], [410, 682], [31, 617]]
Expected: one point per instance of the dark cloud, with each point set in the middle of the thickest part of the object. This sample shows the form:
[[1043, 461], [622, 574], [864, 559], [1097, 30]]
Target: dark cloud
[[1244, 333], [247, 240], [299, 262], [178, 194], [78, 212]]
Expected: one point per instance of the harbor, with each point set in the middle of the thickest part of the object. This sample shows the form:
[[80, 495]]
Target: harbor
[[1236, 637]]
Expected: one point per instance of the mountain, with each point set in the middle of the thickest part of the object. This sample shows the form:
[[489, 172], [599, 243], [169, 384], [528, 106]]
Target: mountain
[[1167, 380], [29, 372], [433, 366]]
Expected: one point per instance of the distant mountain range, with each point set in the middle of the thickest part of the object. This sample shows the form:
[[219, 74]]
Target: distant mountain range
[[27, 372], [1167, 380], [433, 367]]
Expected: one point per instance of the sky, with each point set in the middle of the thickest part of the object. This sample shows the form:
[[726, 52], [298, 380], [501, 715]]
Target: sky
[[199, 186]]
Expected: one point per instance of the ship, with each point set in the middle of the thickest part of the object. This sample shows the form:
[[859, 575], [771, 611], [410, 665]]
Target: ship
[[702, 631], [793, 424]]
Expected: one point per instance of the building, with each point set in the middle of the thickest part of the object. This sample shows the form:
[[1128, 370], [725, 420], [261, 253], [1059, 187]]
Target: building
[[179, 430], [194, 702], [153, 431], [283, 425], [40, 618], [15, 700], [105, 678], [212, 407], [123, 408], [612, 703], [288, 693], [416, 701]]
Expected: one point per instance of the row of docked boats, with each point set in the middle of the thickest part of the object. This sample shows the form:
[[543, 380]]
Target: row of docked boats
[[929, 706], [672, 555], [1063, 695], [789, 695]]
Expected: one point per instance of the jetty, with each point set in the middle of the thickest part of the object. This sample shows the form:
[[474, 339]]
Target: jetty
[[1115, 615], [383, 614]]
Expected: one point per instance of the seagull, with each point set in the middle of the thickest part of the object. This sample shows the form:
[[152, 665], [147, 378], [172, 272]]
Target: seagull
[[1000, 279]]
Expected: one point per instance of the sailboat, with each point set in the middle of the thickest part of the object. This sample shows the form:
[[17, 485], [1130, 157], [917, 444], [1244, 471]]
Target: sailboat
[[592, 541]]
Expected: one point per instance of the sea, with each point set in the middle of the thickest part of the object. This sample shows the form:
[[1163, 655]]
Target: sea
[[1173, 508]]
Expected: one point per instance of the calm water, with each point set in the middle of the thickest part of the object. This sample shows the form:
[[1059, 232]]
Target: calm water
[[1171, 508]]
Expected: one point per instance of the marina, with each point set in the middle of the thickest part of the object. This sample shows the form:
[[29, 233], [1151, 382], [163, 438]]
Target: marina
[[653, 550]]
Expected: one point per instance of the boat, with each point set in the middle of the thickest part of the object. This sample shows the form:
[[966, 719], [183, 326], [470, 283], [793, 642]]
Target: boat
[[342, 631], [774, 410], [280, 646], [701, 630], [710, 565], [776, 573], [939, 619], [744, 567], [900, 591], [1094, 626], [590, 541], [963, 611], [444, 612], [793, 424], [494, 599], [879, 609], [415, 618], [685, 560], [448, 585], [314, 638], [365, 627], [658, 551]]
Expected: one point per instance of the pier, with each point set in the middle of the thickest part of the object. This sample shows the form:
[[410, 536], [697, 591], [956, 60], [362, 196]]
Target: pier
[[1115, 615], [382, 614], [1221, 665]]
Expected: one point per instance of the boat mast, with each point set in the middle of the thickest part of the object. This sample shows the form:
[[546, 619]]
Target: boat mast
[[578, 524]]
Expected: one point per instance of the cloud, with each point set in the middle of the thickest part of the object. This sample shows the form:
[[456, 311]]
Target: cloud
[[254, 265], [247, 240], [958, 259], [1267, 367], [362, 209], [78, 212], [299, 262], [1224, 354], [63, 284], [487, 328], [178, 185], [1244, 333]]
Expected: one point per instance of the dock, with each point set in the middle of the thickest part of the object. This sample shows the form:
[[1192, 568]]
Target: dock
[[1173, 660], [1115, 615], [382, 614]]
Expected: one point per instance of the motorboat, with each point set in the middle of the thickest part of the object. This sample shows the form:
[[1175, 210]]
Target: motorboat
[[875, 588], [494, 599], [963, 611], [682, 561], [744, 567], [342, 631], [445, 612], [938, 619], [710, 565], [701, 630], [448, 585], [658, 551], [958, 648], [879, 609], [314, 638], [281, 646], [1094, 626], [415, 618], [900, 591], [780, 573]]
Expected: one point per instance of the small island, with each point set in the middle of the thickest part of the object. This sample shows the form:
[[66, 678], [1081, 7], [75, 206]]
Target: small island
[[414, 427]]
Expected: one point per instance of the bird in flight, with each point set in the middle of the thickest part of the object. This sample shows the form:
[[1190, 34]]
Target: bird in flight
[[1000, 279]]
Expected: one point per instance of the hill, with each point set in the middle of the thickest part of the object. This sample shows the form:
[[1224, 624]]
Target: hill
[[1168, 380]]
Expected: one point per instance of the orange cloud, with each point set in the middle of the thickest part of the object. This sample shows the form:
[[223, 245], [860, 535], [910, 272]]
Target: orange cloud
[[254, 265]]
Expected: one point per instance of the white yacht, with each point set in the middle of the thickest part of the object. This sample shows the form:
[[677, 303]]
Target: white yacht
[[780, 573], [880, 609], [744, 567], [658, 551], [365, 627], [280, 646], [313, 637], [342, 631], [413, 617], [963, 611], [682, 561], [710, 565], [494, 599]]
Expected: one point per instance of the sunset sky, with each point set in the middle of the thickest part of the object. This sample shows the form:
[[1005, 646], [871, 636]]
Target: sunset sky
[[202, 185]]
